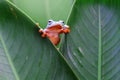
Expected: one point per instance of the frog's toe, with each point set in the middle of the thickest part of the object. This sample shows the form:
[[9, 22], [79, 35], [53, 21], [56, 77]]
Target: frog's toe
[[41, 30], [43, 35], [66, 26], [37, 24], [66, 29]]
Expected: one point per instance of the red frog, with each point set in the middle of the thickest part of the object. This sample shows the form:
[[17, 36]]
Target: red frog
[[53, 30]]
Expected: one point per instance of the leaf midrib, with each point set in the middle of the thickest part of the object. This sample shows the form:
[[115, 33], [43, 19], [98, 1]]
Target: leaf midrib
[[99, 45]]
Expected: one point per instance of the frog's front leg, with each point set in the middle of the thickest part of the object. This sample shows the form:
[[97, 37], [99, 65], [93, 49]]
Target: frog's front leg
[[66, 29], [43, 33]]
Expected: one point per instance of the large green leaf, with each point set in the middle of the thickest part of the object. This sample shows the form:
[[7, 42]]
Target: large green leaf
[[24, 55], [43, 10], [93, 46]]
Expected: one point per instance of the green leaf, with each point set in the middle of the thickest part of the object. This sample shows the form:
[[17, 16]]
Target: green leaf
[[24, 55], [43, 10], [93, 46]]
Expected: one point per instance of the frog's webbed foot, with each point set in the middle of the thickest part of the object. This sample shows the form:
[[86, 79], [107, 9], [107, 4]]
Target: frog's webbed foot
[[43, 34], [66, 29]]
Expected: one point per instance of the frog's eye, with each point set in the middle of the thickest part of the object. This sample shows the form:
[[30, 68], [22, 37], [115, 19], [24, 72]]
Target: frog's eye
[[50, 22], [62, 22]]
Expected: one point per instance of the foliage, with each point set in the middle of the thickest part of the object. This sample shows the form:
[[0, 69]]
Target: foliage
[[89, 52]]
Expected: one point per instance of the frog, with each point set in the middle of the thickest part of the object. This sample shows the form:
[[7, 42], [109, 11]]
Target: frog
[[53, 30]]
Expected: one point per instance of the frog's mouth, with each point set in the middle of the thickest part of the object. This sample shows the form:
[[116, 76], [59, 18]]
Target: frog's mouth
[[56, 26]]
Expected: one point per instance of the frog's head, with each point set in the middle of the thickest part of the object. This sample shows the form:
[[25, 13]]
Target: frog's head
[[59, 24]]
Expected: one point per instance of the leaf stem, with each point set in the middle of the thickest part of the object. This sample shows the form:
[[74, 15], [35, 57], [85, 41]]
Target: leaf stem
[[100, 46]]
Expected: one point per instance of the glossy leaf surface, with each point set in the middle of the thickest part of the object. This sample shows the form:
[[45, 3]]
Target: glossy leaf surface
[[24, 55], [93, 46]]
